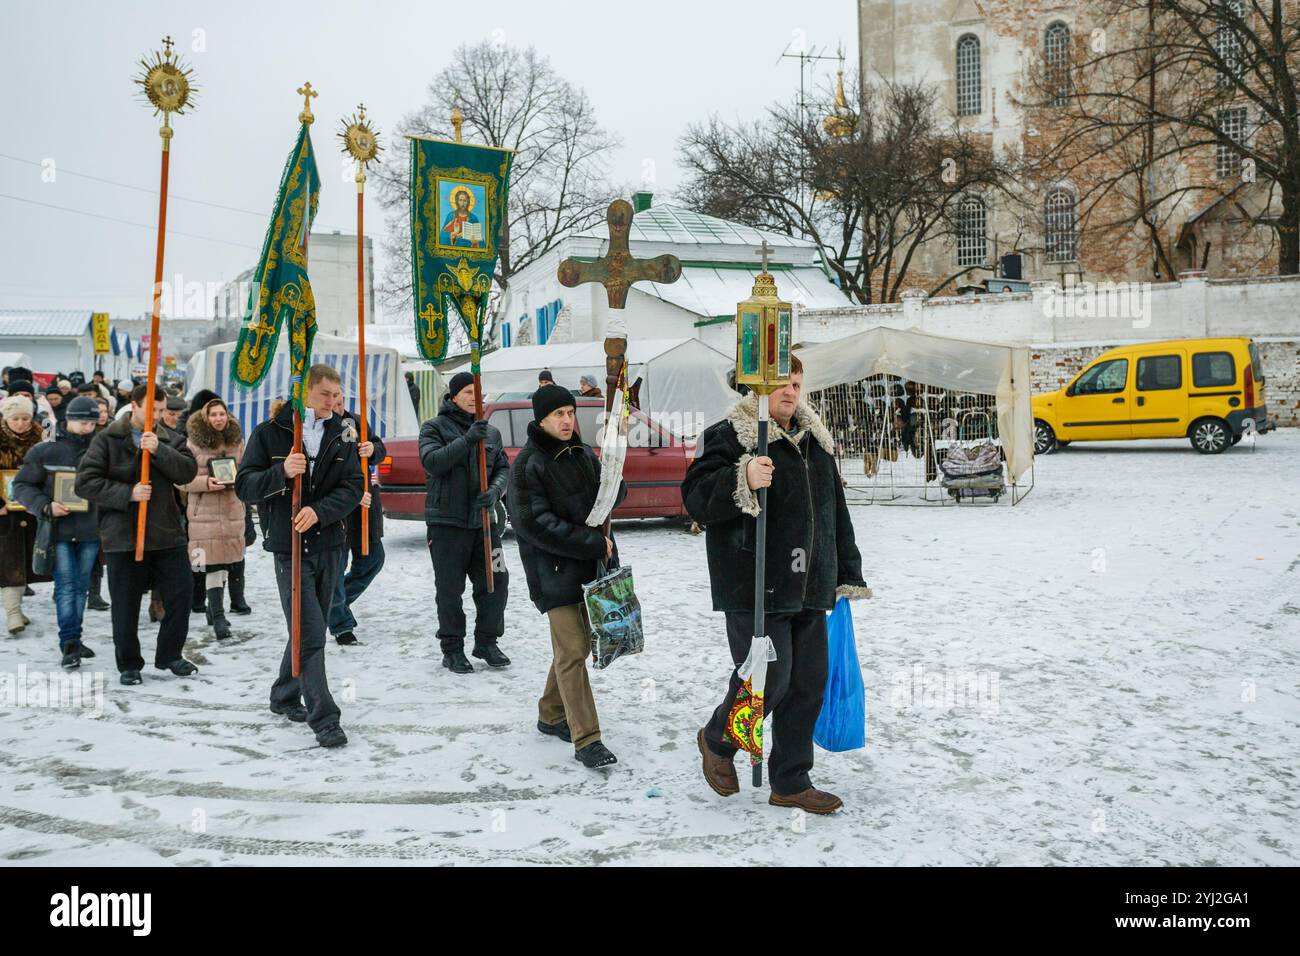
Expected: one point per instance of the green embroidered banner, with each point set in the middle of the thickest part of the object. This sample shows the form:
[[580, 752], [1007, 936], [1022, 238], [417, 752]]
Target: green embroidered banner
[[281, 291], [458, 205]]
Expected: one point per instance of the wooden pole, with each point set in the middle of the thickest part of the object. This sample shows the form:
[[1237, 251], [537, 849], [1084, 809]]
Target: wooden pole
[[295, 565], [482, 476], [363, 414], [142, 512]]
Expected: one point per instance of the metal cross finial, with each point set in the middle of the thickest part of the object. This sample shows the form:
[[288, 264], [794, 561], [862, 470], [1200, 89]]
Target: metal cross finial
[[361, 109], [306, 92], [167, 47], [457, 120], [765, 250]]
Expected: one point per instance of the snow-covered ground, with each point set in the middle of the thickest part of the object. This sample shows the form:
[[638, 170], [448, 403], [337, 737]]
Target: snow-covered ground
[[1121, 651]]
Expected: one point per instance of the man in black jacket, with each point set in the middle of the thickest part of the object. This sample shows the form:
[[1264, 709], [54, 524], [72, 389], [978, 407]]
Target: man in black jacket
[[109, 476], [364, 567], [553, 485], [811, 559], [453, 511], [331, 490], [75, 534]]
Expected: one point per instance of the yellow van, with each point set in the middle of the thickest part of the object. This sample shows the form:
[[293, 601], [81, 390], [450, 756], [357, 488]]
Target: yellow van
[[1208, 390]]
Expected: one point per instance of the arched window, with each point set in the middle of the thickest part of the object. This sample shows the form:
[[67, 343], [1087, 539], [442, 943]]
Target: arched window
[[1060, 227], [972, 232], [1056, 54], [968, 75]]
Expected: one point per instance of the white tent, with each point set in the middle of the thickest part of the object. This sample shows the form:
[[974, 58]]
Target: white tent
[[684, 385], [391, 411], [980, 367]]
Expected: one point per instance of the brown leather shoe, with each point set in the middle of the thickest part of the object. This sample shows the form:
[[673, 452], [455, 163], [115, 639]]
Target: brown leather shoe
[[811, 800], [719, 772]]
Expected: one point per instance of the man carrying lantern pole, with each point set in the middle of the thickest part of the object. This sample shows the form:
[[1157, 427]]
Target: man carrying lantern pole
[[780, 548]]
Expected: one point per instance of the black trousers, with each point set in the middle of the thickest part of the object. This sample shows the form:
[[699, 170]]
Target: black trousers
[[168, 573], [796, 682], [320, 572], [457, 553]]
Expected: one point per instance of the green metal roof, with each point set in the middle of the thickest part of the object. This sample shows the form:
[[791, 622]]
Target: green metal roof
[[669, 223]]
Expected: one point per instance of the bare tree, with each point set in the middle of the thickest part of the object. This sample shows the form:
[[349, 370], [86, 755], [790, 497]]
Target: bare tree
[[1174, 86], [514, 99], [869, 176]]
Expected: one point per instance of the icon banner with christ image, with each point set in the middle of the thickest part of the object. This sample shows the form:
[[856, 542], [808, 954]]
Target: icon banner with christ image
[[458, 202]]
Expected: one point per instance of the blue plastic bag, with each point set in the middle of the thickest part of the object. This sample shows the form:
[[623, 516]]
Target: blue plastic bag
[[842, 724]]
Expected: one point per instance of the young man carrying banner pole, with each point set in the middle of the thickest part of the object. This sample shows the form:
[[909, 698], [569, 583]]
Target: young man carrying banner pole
[[306, 531]]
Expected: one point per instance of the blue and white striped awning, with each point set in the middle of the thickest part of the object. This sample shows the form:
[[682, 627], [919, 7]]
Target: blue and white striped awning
[[252, 406]]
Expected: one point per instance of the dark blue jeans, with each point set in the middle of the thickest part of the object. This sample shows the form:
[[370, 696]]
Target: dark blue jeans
[[73, 561], [352, 585]]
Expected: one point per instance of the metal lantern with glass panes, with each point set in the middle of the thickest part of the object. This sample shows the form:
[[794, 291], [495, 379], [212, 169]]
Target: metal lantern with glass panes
[[763, 332], [763, 336]]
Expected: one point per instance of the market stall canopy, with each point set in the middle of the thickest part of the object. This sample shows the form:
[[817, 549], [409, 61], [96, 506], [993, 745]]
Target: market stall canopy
[[391, 412], [684, 384], [981, 367]]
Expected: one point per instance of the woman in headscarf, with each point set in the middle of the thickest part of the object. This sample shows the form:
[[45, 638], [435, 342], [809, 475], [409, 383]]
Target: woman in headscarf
[[215, 513], [19, 433]]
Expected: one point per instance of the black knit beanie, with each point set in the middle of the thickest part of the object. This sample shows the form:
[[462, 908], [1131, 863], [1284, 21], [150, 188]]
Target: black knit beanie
[[459, 382], [548, 398]]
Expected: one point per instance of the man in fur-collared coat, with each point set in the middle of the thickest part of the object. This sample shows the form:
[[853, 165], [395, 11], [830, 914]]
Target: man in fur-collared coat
[[812, 559]]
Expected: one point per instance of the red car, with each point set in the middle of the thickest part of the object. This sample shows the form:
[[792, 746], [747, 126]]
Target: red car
[[656, 459]]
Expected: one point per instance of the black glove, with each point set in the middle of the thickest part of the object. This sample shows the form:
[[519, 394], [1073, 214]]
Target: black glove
[[476, 432], [485, 499]]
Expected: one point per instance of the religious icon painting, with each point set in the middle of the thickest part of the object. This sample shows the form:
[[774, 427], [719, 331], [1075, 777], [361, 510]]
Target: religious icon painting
[[65, 491], [463, 214], [7, 477]]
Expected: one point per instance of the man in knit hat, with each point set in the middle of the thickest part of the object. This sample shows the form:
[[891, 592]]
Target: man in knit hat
[[453, 510], [75, 533], [553, 485]]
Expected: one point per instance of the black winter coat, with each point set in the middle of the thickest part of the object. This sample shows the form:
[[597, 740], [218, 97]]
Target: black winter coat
[[376, 498], [451, 468], [553, 485], [332, 487], [811, 554], [34, 485], [109, 470]]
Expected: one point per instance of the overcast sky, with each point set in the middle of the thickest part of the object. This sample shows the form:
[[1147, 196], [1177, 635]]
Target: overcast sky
[[68, 103]]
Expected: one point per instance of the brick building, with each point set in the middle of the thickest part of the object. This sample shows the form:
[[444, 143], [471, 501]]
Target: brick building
[[994, 64]]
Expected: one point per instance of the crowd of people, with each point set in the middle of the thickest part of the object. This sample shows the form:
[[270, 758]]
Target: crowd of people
[[206, 480]]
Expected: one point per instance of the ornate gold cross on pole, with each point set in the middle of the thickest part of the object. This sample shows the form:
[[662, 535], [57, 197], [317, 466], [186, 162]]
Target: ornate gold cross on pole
[[306, 92], [616, 271]]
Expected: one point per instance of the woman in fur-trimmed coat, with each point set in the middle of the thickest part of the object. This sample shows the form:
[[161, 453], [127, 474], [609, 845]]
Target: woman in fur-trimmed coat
[[812, 558], [19, 433], [215, 513]]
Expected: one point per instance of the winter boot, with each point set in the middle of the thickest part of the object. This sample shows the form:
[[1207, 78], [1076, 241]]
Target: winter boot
[[456, 662], [95, 597], [217, 614], [198, 603], [595, 756], [235, 580], [13, 604], [491, 655]]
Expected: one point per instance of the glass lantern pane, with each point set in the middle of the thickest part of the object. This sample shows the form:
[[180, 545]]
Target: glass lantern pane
[[749, 343], [783, 327]]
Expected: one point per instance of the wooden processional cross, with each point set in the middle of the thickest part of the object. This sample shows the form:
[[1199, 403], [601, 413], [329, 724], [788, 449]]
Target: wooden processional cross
[[616, 271]]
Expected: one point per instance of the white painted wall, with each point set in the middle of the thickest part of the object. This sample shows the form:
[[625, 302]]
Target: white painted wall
[[1136, 312]]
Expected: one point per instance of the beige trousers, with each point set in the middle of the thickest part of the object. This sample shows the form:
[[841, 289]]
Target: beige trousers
[[568, 692]]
